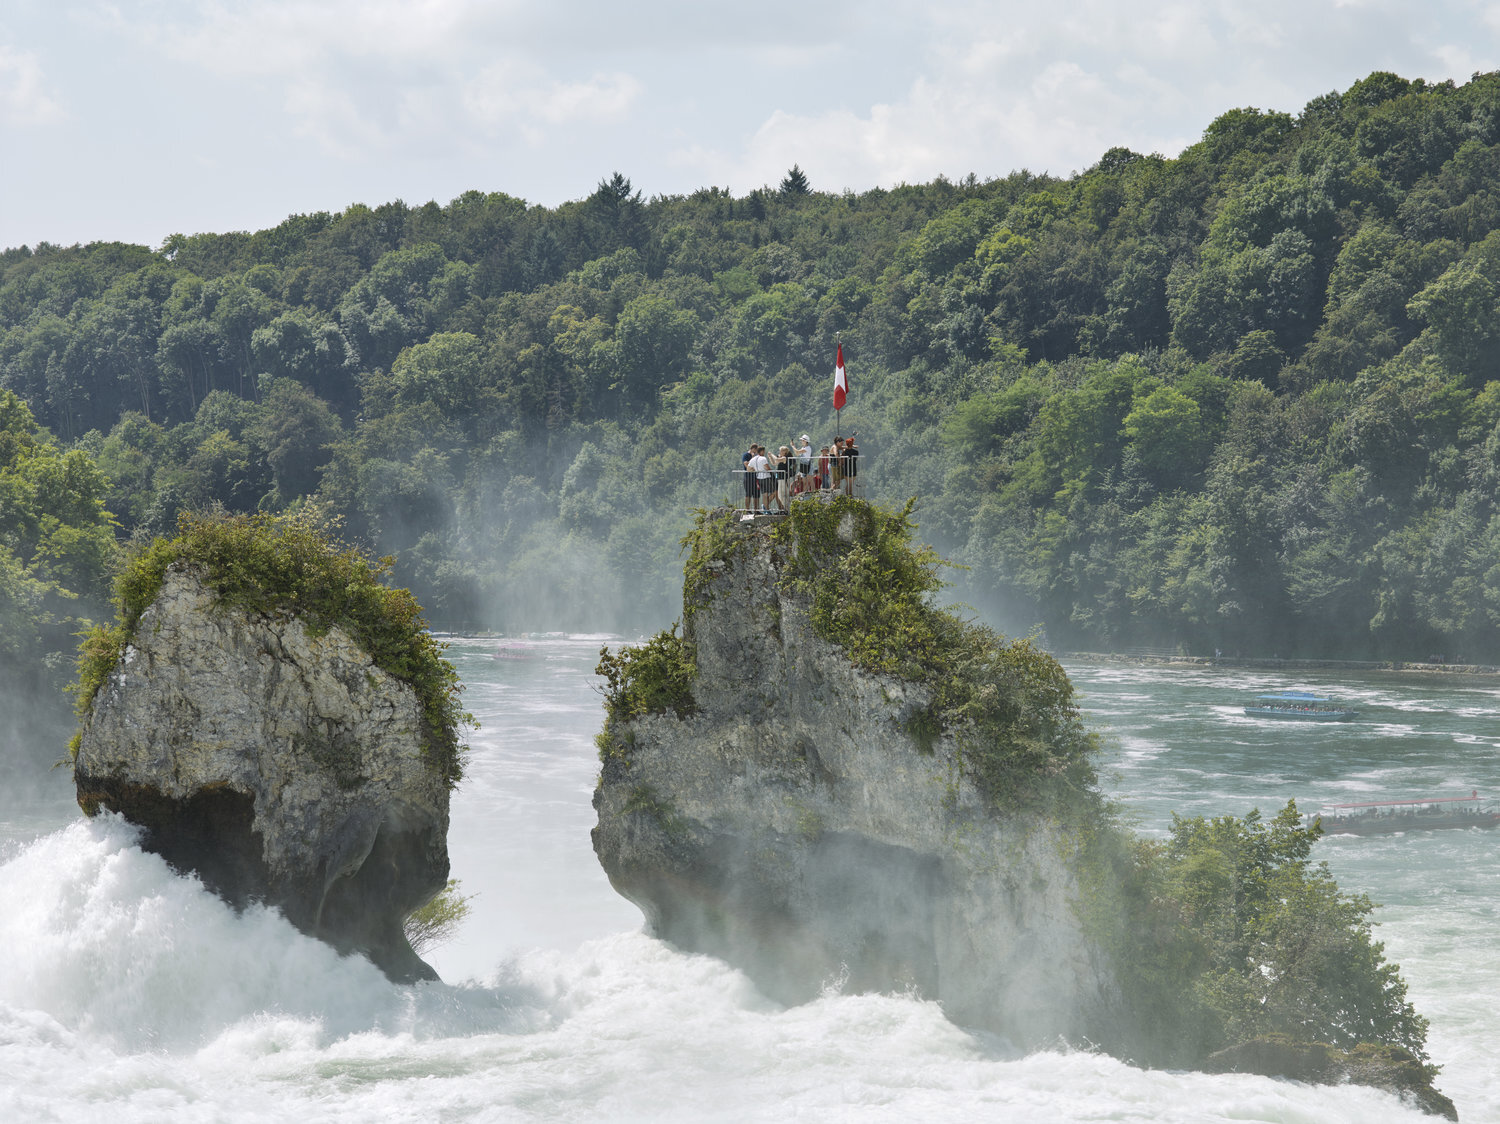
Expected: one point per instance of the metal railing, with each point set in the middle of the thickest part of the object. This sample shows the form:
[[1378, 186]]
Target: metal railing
[[795, 485]]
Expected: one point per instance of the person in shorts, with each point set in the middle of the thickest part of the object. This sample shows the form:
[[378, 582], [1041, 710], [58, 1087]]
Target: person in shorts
[[804, 455], [765, 485]]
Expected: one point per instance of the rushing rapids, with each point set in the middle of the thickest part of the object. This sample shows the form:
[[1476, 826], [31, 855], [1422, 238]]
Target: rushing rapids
[[130, 992]]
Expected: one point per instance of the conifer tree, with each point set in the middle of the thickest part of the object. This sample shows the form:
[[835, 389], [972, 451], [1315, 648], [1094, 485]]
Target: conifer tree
[[795, 182]]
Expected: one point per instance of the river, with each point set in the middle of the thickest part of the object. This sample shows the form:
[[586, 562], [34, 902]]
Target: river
[[128, 994]]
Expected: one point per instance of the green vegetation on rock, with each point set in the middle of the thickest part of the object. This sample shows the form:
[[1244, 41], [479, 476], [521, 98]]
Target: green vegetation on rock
[[290, 565], [1222, 935], [1227, 933], [868, 585], [710, 545], [438, 920], [868, 590], [651, 678], [646, 801]]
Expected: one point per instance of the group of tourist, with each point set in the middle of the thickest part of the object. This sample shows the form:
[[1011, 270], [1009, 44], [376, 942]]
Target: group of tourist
[[773, 478]]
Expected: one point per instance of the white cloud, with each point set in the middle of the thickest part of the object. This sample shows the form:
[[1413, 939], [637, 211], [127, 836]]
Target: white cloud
[[362, 77], [1062, 119], [332, 117], [23, 98], [1172, 33], [518, 96], [1457, 59], [288, 36], [309, 103], [1053, 87]]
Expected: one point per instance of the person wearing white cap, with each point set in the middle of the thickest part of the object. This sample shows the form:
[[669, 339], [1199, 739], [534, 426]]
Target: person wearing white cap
[[804, 455]]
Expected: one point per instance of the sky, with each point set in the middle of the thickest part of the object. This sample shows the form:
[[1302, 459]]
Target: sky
[[131, 120]]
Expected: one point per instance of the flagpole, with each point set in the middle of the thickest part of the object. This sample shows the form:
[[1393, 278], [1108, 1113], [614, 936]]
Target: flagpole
[[838, 401]]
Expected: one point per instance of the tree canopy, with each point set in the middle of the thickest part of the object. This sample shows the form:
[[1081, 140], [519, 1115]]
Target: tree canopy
[[1243, 398]]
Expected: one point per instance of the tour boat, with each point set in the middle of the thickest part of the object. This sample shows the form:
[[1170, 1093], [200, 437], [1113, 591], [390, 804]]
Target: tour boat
[[1299, 706], [1385, 817]]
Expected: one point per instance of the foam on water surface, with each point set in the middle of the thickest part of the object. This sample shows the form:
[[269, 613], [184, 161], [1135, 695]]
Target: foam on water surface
[[129, 994]]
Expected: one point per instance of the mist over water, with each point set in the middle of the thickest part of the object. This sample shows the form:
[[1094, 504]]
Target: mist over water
[[127, 993], [35, 725]]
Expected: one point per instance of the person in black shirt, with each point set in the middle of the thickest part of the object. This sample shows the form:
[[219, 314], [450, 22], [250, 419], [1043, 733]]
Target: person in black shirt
[[851, 465], [750, 492]]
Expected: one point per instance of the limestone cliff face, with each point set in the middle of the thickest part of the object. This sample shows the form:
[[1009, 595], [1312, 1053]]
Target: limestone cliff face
[[280, 766], [792, 827]]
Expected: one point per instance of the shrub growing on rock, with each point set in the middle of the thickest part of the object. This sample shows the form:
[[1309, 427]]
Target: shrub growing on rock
[[1227, 933], [653, 678]]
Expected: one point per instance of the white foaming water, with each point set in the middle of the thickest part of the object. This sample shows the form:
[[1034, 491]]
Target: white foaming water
[[129, 994]]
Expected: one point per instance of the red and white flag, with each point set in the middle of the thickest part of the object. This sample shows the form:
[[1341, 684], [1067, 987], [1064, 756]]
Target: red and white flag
[[840, 383]]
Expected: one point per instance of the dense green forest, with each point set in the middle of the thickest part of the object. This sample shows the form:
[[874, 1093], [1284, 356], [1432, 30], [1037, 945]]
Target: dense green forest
[[1246, 399]]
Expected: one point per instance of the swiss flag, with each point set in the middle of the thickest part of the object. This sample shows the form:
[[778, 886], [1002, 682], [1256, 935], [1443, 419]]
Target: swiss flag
[[840, 383]]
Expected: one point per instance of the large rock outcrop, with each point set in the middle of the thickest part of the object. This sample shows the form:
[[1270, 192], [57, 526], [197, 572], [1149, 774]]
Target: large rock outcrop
[[280, 766], [788, 822], [800, 809]]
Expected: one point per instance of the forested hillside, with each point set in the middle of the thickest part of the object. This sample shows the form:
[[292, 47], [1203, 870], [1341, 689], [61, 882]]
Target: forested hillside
[[1241, 399]]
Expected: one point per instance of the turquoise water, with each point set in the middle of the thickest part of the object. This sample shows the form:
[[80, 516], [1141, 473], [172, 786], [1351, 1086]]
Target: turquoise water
[[1178, 740]]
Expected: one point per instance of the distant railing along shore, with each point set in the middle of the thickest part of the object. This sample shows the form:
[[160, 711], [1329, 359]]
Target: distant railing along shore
[[1274, 663]]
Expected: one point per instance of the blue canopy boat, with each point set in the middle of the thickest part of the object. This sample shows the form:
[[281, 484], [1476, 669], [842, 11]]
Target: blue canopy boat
[[1299, 706]]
